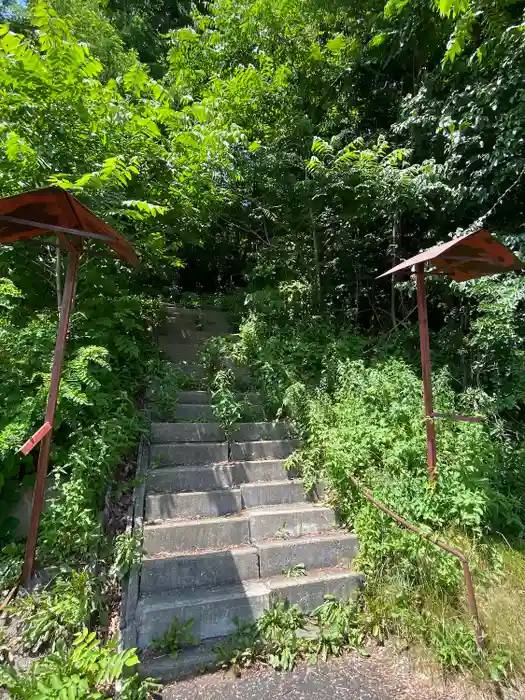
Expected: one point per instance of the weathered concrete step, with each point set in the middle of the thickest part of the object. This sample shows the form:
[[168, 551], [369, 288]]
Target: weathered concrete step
[[192, 369], [204, 504], [189, 535], [209, 319], [263, 449], [261, 431], [185, 453], [273, 493], [193, 412], [174, 335], [189, 661], [309, 591], [212, 432], [216, 568], [181, 352], [212, 610], [187, 432], [320, 551], [289, 521], [197, 397], [215, 476]]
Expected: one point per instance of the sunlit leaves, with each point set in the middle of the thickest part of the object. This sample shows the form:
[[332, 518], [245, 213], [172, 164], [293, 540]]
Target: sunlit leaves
[[452, 8], [143, 210]]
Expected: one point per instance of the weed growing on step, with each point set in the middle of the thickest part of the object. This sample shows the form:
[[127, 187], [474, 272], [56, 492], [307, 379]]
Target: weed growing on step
[[178, 636], [227, 407], [284, 635], [127, 554], [295, 571]]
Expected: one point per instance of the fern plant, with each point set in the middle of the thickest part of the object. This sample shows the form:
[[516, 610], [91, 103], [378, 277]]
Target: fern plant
[[86, 670]]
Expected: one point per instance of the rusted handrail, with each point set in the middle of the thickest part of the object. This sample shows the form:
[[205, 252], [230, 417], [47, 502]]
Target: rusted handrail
[[473, 606]]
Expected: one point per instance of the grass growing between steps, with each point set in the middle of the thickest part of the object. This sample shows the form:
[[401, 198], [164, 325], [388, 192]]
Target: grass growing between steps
[[364, 417]]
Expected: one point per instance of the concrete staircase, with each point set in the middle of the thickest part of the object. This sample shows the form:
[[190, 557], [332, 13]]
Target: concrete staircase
[[225, 522]]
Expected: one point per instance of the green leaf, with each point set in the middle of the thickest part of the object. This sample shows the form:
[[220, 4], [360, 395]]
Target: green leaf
[[337, 44], [378, 39]]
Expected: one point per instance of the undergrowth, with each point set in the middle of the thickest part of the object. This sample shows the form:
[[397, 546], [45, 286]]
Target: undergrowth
[[110, 357], [284, 635], [357, 405], [85, 669]]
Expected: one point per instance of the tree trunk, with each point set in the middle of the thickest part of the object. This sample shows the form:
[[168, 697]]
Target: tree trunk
[[317, 261]]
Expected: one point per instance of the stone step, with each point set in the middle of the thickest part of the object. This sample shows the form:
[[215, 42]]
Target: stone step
[[215, 476], [208, 319], [194, 397], [190, 535], [309, 591], [289, 521], [273, 493], [192, 369], [213, 609], [212, 432], [186, 432], [185, 453], [209, 568], [204, 504], [182, 352], [261, 431], [193, 412], [174, 335], [322, 551], [263, 449], [189, 662]]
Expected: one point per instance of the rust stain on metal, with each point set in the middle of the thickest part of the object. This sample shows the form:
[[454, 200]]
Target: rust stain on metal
[[35, 439], [424, 344], [473, 255], [467, 576], [459, 418], [31, 215], [53, 210]]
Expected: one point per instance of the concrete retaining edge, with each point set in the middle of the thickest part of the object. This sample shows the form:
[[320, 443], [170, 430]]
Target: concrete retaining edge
[[135, 525]]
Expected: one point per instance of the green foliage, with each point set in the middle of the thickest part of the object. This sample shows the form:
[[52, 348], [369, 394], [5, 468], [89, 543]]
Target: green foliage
[[227, 407], [127, 554], [284, 635], [11, 559], [295, 571], [299, 148], [52, 615], [84, 670], [178, 635]]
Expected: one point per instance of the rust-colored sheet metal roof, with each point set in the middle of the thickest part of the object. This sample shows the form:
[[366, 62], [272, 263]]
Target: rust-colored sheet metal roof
[[54, 211], [472, 255]]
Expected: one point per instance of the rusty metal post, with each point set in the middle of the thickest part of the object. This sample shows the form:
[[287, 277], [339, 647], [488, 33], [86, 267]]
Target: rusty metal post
[[45, 446], [426, 369]]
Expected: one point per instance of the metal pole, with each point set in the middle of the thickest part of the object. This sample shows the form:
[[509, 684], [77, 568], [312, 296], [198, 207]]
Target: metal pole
[[467, 576], [45, 446], [426, 370]]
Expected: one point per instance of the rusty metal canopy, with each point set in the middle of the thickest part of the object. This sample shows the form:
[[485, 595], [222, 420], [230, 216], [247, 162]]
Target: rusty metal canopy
[[472, 255], [53, 210]]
